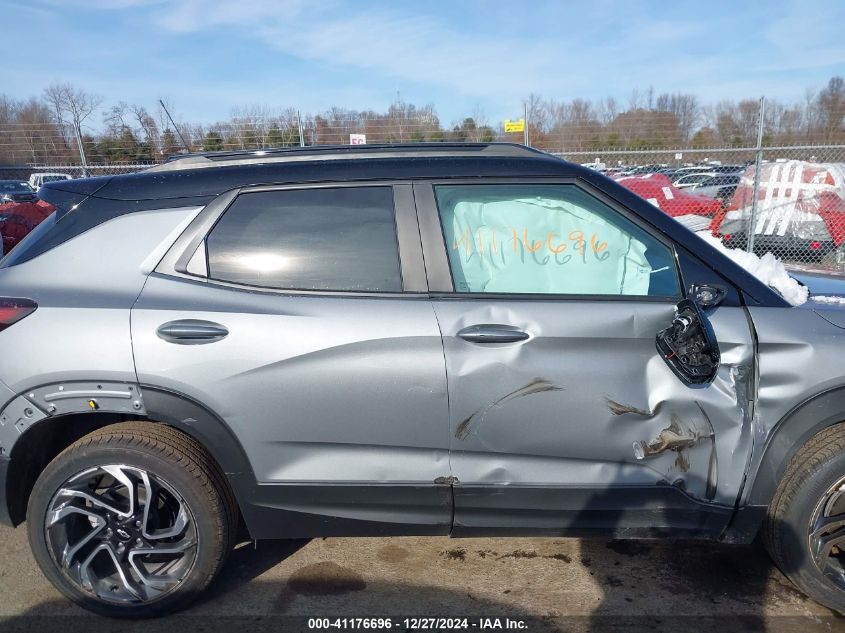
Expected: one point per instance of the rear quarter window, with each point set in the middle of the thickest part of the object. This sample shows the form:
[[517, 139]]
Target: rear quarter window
[[333, 239]]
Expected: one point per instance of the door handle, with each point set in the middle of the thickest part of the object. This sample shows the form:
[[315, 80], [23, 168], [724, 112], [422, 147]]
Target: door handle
[[191, 332], [493, 333]]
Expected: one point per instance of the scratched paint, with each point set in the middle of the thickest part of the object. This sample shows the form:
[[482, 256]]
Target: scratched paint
[[675, 437], [537, 385], [617, 408]]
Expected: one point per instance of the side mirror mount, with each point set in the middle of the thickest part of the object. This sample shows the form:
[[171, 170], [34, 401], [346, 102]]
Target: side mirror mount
[[689, 345], [707, 295]]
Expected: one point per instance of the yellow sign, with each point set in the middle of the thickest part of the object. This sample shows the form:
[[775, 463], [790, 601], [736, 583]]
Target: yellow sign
[[514, 126]]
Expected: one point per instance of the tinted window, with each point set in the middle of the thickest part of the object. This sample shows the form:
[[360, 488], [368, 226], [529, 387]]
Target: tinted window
[[310, 239], [720, 180], [11, 186], [548, 239]]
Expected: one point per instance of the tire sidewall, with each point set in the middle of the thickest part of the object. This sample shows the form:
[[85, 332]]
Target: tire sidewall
[[794, 525], [210, 528]]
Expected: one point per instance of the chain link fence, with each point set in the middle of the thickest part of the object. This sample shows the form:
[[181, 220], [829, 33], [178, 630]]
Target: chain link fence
[[788, 200]]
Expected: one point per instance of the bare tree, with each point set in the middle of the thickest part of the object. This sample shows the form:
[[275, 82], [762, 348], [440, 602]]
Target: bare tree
[[608, 110], [115, 118], [72, 105], [831, 110], [686, 110], [35, 130], [148, 126]]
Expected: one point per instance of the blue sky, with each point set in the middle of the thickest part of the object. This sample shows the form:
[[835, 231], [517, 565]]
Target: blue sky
[[464, 56]]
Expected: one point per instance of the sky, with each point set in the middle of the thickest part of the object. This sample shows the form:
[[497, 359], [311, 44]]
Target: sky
[[464, 56]]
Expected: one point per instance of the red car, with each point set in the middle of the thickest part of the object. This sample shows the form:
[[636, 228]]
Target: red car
[[17, 219], [800, 211], [658, 189]]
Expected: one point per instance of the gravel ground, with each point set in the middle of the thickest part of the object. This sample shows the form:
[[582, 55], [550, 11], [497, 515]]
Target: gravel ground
[[542, 584]]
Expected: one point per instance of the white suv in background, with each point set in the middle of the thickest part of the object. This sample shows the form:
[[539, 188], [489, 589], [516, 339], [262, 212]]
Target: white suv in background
[[36, 180]]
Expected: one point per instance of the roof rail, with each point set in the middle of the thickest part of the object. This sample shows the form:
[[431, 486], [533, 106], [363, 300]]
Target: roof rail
[[340, 152]]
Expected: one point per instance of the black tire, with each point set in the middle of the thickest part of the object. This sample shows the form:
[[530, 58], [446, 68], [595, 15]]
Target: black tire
[[816, 469], [170, 456]]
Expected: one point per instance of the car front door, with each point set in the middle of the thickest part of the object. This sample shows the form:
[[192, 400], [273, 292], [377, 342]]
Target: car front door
[[563, 415], [299, 316]]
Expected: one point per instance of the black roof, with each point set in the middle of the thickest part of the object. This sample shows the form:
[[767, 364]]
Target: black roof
[[209, 174], [335, 152]]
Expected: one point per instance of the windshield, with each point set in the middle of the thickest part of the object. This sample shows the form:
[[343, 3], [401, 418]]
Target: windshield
[[13, 186]]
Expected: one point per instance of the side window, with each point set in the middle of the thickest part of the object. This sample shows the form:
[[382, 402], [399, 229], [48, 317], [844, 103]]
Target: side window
[[548, 239], [340, 238]]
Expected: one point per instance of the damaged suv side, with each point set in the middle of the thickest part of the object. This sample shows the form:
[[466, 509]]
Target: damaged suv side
[[447, 339]]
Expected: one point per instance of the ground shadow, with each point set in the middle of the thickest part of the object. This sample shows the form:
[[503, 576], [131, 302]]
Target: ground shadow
[[691, 585], [728, 586], [248, 561]]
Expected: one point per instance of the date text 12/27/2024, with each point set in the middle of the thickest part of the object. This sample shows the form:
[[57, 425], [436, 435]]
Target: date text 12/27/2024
[[417, 624]]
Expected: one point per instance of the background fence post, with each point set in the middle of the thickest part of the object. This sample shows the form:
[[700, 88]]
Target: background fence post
[[526, 134], [756, 190], [81, 151], [301, 133]]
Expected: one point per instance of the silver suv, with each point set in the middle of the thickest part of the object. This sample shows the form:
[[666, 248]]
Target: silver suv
[[448, 339]]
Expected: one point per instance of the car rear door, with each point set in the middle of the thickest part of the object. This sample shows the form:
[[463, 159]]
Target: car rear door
[[299, 316], [563, 415]]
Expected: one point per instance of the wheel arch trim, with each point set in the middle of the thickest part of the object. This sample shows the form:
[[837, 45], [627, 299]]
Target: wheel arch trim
[[27, 411], [792, 431]]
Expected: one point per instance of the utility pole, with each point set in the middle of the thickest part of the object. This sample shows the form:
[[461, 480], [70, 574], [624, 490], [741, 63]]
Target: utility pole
[[181, 138], [526, 138], [301, 133], [81, 150], [752, 226]]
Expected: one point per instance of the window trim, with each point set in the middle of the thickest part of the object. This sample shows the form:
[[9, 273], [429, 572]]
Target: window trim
[[409, 248], [436, 256]]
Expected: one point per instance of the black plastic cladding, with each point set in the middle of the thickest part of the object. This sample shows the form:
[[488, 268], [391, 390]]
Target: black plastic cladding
[[107, 198]]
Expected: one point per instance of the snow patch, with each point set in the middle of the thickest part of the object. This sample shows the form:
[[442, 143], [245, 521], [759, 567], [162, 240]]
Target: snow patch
[[694, 222], [826, 299], [768, 269]]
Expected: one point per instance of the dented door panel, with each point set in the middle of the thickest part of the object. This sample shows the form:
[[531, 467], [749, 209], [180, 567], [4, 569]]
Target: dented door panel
[[587, 402], [800, 356]]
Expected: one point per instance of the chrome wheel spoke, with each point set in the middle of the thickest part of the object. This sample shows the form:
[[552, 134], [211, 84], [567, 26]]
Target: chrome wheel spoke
[[148, 500], [120, 475], [94, 500], [823, 547], [829, 526], [122, 574], [826, 535], [65, 510], [162, 578], [178, 527]]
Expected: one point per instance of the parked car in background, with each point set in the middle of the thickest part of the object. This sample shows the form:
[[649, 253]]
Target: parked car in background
[[727, 169], [695, 212], [16, 191], [721, 187], [684, 181], [37, 180], [800, 212], [19, 219], [643, 169]]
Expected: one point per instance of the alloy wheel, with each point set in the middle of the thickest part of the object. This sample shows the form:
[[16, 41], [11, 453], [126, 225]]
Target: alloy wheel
[[121, 533], [827, 535]]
